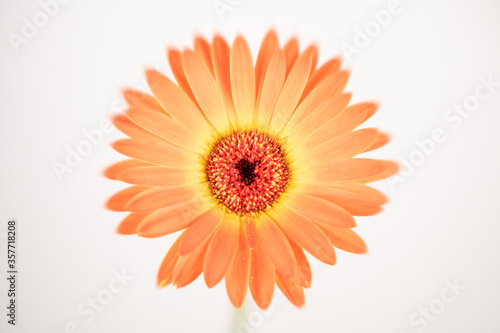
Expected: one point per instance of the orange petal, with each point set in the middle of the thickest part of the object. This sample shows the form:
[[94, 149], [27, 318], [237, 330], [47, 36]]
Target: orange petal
[[292, 89], [332, 86], [353, 203], [129, 224], [304, 274], [168, 220], [161, 153], [138, 99], [368, 107], [164, 127], [354, 169], [160, 197], [221, 251], [220, 57], [326, 70], [314, 51], [129, 128], [292, 290], [116, 168], [200, 230], [242, 81], [361, 189], [370, 110], [276, 246], [238, 273], [166, 270], [202, 49], [346, 239], [313, 241], [381, 140], [205, 89], [154, 176], [119, 200], [347, 145], [390, 168], [321, 211], [176, 102], [291, 50], [174, 59], [271, 87], [250, 231], [314, 119], [348, 120], [189, 266], [268, 47], [261, 278]]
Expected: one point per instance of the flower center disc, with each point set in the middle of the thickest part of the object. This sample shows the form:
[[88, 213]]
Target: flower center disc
[[247, 171]]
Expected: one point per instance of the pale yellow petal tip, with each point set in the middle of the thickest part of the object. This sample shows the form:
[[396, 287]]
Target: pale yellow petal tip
[[162, 284]]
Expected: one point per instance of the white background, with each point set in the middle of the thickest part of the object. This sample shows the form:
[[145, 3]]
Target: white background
[[442, 222]]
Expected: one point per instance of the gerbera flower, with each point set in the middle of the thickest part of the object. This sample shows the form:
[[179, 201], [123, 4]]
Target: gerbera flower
[[255, 163]]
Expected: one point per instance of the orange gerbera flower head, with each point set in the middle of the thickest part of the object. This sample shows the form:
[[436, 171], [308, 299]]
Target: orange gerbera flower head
[[255, 163]]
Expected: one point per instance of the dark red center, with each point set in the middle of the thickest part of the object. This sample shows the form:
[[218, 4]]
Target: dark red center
[[247, 171]]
